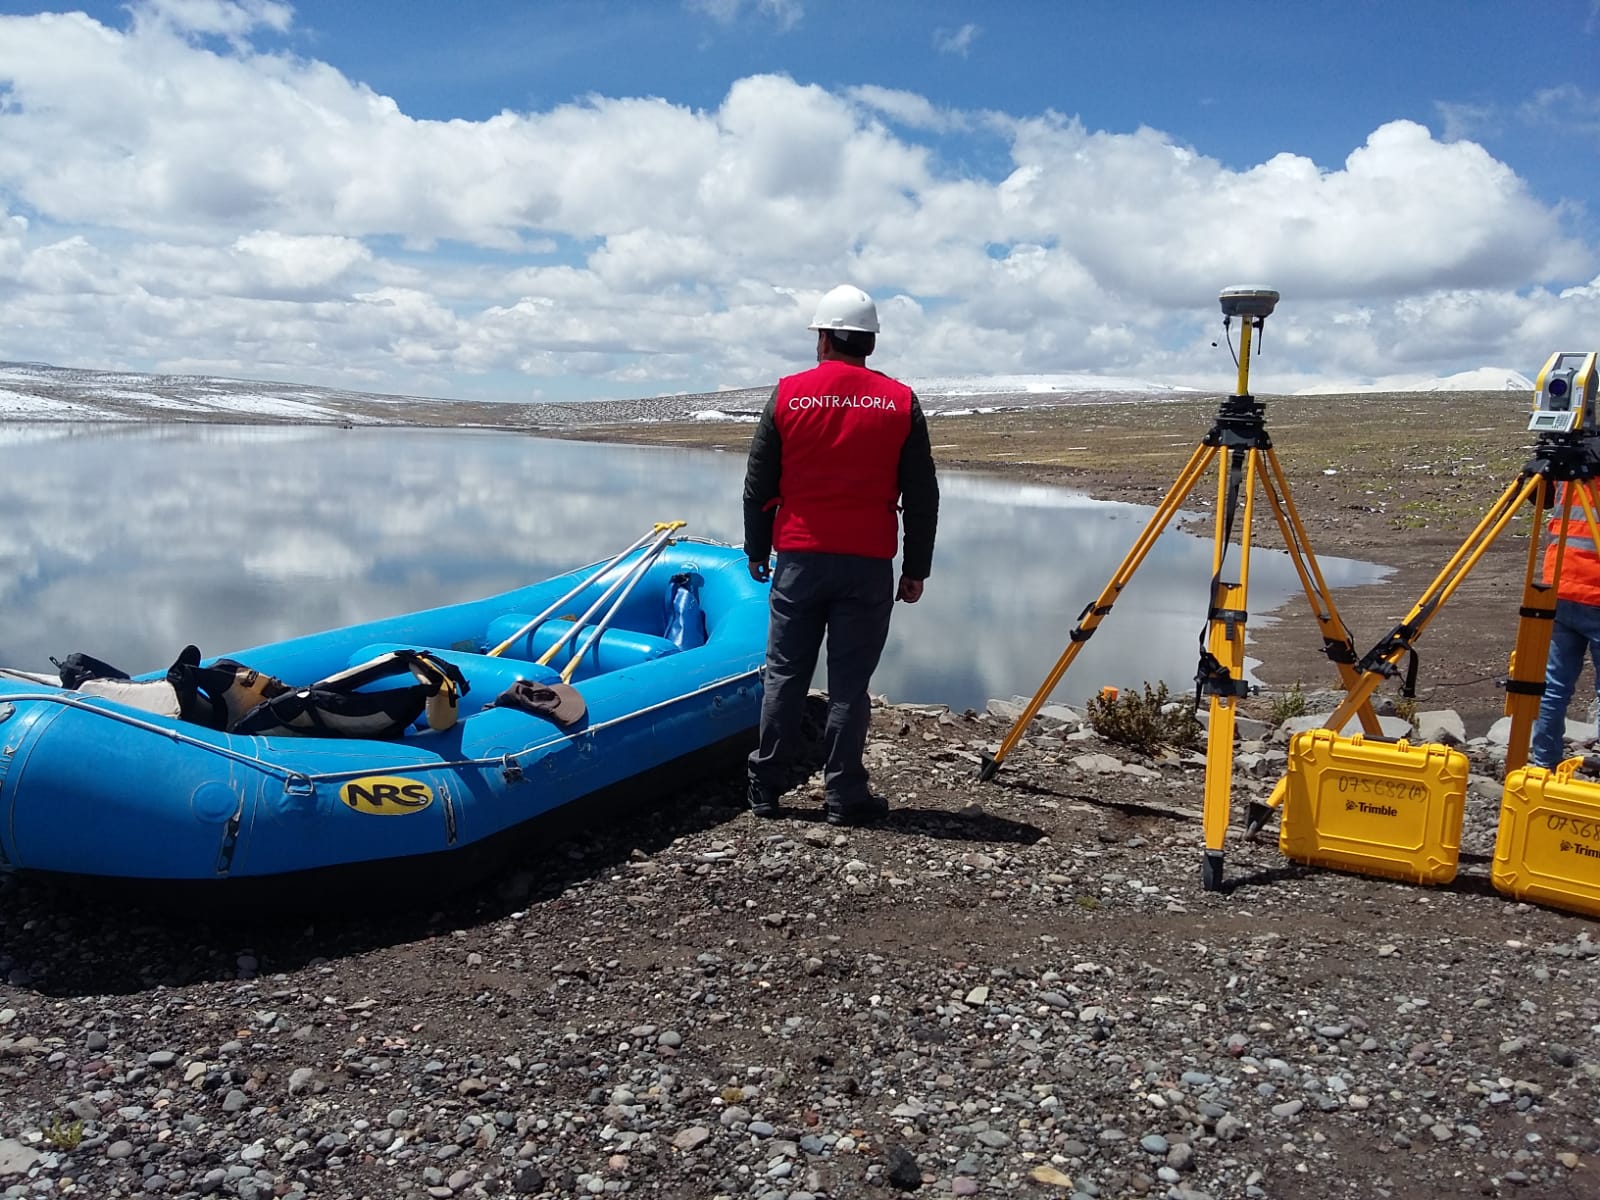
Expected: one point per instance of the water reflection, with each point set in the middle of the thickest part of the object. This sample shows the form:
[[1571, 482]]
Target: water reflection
[[130, 541]]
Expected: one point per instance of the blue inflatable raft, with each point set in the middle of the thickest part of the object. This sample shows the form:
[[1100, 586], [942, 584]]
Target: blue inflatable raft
[[661, 645]]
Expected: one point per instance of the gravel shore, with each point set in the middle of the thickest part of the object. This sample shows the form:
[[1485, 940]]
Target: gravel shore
[[1011, 989], [1015, 989]]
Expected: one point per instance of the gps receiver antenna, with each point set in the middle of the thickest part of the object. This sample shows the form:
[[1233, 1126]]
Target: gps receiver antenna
[[1255, 305]]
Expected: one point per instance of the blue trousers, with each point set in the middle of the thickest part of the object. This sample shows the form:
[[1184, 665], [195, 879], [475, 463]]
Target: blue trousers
[[1574, 635], [849, 598]]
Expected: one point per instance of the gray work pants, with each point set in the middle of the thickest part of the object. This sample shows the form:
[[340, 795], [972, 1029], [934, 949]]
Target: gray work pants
[[849, 598]]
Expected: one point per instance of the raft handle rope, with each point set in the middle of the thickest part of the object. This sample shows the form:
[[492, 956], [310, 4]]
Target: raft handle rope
[[503, 762]]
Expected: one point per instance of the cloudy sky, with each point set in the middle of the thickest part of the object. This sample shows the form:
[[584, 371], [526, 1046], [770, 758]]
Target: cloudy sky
[[576, 199]]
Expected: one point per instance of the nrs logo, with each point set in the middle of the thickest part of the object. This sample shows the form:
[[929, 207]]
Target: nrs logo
[[386, 795]]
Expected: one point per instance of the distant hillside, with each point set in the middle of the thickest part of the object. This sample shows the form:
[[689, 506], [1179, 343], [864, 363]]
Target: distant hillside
[[40, 392], [1481, 379], [32, 392]]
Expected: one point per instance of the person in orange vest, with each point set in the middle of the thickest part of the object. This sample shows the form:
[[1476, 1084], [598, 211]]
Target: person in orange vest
[[1575, 633], [837, 449]]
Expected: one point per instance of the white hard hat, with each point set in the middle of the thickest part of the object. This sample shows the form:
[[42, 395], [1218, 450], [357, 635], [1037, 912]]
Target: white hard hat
[[847, 309]]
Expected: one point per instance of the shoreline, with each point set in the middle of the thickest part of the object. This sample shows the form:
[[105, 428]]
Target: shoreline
[[1398, 479]]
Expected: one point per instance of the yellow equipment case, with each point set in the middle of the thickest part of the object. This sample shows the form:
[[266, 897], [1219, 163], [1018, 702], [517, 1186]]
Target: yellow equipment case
[[1374, 806], [1548, 846]]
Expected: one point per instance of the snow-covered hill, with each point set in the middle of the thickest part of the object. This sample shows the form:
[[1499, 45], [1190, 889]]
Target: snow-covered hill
[[1035, 385], [38, 392], [1484, 379], [1481, 379]]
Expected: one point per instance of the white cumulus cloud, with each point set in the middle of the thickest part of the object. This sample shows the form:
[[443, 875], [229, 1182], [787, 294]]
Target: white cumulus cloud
[[171, 194]]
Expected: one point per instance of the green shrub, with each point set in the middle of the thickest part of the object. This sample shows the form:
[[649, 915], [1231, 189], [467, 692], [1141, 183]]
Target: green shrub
[[1142, 722], [63, 1135], [1289, 705]]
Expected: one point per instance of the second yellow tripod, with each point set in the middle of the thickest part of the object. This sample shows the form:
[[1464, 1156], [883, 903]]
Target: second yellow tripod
[[1567, 450]]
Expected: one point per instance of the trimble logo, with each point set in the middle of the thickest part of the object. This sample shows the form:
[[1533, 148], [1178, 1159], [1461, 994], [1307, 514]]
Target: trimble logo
[[1580, 849], [1376, 810]]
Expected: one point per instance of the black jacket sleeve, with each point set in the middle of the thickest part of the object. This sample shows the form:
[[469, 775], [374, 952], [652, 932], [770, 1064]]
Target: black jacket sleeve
[[761, 479], [919, 498]]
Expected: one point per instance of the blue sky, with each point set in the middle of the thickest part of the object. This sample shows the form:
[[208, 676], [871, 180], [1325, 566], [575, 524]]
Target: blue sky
[[573, 200], [1307, 76]]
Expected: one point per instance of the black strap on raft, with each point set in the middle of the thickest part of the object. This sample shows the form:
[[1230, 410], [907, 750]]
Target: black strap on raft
[[200, 689], [334, 707], [78, 666], [217, 696]]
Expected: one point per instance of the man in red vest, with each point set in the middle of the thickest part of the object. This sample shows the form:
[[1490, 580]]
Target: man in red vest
[[838, 449], [1575, 633]]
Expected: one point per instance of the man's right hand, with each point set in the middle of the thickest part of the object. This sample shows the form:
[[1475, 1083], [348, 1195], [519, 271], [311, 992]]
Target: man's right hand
[[760, 570]]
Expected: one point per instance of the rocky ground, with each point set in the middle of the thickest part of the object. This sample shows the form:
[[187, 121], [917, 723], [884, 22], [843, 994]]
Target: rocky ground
[[1016, 988]]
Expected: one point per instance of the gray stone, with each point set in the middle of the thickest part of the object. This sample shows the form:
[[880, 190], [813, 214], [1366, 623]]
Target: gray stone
[[15, 1158], [1443, 726], [1229, 1128], [692, 1137], [1391, 727]]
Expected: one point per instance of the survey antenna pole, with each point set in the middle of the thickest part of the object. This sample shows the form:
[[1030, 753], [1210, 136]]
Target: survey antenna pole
[[1245, 327]]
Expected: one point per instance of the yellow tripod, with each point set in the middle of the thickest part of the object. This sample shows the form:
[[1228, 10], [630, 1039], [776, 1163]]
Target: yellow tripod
[[1568, 451], [1240, 430]]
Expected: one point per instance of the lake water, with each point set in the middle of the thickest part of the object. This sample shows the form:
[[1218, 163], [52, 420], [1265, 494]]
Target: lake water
[[129, 542]]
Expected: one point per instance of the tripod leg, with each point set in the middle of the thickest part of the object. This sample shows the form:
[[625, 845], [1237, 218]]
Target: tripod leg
[[1222, 670], [1378, 663], [1089, 620], [1336, 640], [1535, 621]]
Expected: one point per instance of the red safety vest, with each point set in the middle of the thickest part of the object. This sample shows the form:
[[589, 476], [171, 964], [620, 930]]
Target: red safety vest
[[1580, 564], [841, 428]]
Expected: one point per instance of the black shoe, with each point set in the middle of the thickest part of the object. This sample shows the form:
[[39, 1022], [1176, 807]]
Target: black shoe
[[763, 803], [863, 812]]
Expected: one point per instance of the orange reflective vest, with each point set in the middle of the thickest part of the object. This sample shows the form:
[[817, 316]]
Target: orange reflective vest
[[1580, 562], [842, 428]]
